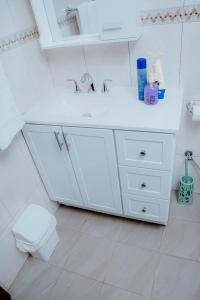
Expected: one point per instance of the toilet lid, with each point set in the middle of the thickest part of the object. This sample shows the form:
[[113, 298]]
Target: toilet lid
[[33, 224]]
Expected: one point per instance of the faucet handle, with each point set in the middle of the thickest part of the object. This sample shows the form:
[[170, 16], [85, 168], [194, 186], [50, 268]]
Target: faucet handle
[[77, 87], [105, 88]]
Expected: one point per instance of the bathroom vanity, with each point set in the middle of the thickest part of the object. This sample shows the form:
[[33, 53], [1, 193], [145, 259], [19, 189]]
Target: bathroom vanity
[[108, 153]]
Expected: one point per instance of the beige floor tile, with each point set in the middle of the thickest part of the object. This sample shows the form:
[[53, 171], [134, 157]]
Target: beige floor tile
[[141, 234], [71, 286], [67, 238], [90, 256], [127, 231], [101, 225], [177, 279], [70, 217], [185, 212], [109, 292], [182, 238], [34, 280], [45, 294], [132, 268]]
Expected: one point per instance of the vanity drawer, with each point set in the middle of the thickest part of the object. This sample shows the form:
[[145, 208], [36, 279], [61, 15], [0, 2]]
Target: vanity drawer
[[145, 182], [143, 208], [145, 149]]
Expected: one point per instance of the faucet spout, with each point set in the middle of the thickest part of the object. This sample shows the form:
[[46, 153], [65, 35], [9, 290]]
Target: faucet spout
[[87, 78]]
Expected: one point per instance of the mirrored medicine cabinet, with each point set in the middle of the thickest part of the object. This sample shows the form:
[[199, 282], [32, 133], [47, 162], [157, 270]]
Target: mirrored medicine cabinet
[[68, 23]]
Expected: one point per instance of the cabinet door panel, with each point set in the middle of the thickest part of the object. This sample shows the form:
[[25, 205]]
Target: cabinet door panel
[[145, 149], [53, 163], [92, 152], [118, 19], [146, 182], [146, 208]]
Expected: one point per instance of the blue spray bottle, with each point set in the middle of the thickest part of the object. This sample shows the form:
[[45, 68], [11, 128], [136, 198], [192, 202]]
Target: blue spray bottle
[[142, 77]]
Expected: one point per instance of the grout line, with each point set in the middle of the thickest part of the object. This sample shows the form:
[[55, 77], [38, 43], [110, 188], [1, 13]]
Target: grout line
[[183, 220], [51, 286], [130, 63], [85, 58], [191, 99], [181, 55], [124, 289], [194, 155], [180, 257], [154, 274], [20, 270], [106, 269], [51, 72], [82, 275]]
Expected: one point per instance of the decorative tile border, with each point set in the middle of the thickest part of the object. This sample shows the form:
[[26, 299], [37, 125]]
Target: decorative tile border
[[189, 13], [18, 39]]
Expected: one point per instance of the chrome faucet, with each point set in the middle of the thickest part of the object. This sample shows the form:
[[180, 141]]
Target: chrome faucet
[[77, 88], [88, 78], [105, 88]]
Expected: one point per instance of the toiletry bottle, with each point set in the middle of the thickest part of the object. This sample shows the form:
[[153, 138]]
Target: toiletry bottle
[[151, 94], [142, 77], [155, 74]]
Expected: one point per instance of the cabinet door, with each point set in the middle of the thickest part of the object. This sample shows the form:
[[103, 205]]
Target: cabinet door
[[92, 152], [118, 19], [53, 163]]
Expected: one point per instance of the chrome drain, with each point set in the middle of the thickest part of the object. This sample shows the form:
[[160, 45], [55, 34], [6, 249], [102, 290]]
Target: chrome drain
[[87, 115]]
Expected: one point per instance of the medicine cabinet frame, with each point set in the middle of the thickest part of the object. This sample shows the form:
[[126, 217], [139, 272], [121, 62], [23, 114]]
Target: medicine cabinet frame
[[46, 40]]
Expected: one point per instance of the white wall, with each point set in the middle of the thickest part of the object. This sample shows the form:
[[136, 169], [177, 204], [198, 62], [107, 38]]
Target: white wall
[[28, 76], [180, 45], [26, 66]]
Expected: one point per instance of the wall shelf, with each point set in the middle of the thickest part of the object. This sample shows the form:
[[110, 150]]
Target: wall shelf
[[83, 41]]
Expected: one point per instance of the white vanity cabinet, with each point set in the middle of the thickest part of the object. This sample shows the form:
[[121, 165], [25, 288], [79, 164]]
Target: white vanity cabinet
[[78, 165], [127, 173]]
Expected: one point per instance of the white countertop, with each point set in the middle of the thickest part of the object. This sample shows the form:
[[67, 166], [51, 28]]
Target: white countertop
[[119, 109]]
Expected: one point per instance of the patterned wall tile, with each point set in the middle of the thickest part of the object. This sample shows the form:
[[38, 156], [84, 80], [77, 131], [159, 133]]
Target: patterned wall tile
[[189, 13]]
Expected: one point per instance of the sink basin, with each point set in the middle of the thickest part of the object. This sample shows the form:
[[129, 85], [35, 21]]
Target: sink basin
[[82, 106]]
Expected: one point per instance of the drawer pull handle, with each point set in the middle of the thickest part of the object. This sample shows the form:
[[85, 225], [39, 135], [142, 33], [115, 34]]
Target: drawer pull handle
[[143, 185], [144, 210], [142, 153]]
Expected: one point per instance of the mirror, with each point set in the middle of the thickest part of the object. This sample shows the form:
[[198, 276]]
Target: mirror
[[71, 18]]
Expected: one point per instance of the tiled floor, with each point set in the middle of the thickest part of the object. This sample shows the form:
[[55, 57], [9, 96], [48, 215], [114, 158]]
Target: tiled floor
[[102, 257]]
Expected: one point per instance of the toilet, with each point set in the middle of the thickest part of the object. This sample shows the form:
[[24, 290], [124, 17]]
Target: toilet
[[35, 232]]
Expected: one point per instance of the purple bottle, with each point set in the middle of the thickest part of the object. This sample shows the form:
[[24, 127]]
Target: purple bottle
[[151, 94]]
